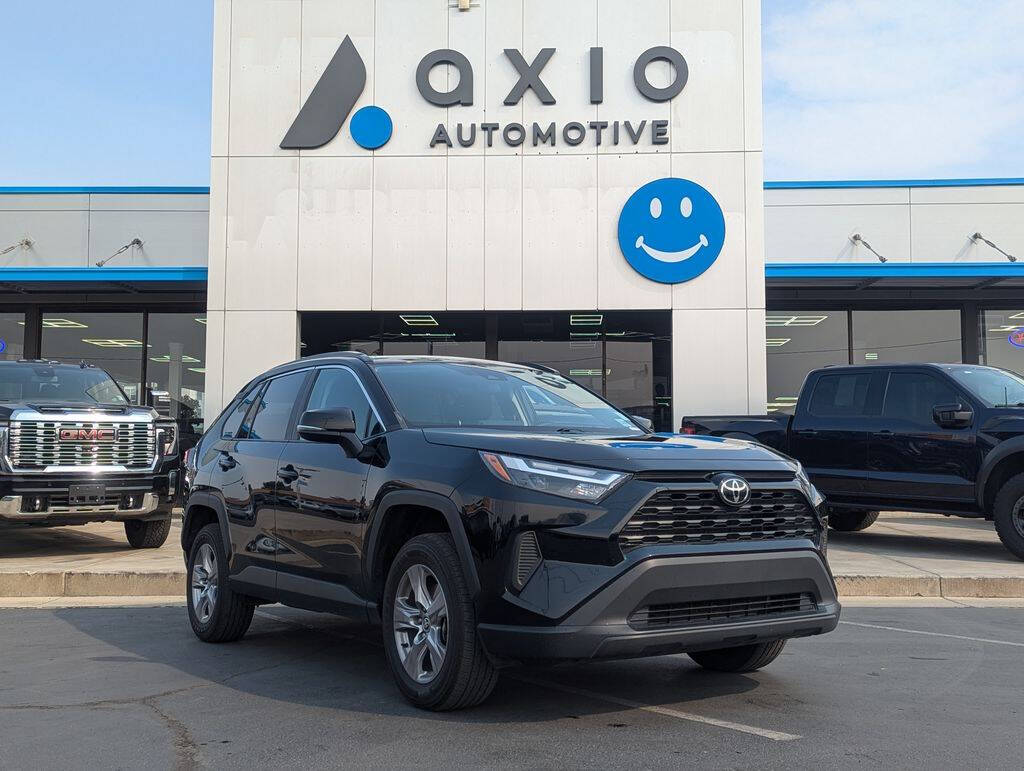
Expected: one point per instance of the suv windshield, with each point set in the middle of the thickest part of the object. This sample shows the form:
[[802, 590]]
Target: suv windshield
[[995, 387], [432, 394], [47, 384]]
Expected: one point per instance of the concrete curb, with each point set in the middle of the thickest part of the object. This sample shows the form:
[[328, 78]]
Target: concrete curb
[[73, 583]]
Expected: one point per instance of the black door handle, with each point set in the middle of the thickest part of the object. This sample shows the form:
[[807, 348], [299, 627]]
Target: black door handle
[[884, 432], [226, 462], [288, 474], [807, 432]]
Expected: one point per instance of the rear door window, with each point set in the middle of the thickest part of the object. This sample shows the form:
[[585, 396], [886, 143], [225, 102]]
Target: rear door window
[[233, 427], [850, 394], [274, 410]]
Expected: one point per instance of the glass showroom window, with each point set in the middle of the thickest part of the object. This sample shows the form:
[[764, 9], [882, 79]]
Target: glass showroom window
[[907, 336], [176, 364], [111, 341], [1001, 342], [798, 342], [12, 336]]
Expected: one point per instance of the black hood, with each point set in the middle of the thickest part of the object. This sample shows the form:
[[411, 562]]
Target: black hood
[[654, 452]]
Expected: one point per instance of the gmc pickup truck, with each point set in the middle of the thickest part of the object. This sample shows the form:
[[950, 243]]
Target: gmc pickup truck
[[942, 438], [74, 450]]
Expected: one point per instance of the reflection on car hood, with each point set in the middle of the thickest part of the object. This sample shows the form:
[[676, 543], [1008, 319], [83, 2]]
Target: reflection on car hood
[[654, 452]]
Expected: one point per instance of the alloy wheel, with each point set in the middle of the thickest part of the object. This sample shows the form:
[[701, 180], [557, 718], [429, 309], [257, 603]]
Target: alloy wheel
[[204, 583], [421, 623], [1017, 517]]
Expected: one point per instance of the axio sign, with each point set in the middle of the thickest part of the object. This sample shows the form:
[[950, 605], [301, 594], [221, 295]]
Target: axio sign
[[342, 82]]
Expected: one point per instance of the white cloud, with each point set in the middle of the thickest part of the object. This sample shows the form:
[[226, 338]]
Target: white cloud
[[864, 89]]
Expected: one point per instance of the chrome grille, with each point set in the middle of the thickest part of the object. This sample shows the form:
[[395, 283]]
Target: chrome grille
[[34, 445], [699, 516]]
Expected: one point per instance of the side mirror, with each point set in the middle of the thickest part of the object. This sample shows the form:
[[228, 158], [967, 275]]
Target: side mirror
[[952, 415], [331, 427], [645, 423]]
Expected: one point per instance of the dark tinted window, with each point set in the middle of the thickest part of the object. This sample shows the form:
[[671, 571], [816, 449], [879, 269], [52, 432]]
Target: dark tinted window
[[336, 388], [845, 395], [233, 428], [912, 395], [275, 407]]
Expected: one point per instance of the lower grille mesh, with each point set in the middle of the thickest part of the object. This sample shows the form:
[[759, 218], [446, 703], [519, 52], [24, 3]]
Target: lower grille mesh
[[707, 612]]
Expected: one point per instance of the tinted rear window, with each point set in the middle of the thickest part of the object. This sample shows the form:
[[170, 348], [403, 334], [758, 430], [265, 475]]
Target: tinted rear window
[[846, 395]]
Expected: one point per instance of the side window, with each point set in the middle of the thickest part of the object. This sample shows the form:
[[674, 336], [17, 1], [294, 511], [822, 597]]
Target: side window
[[233, 428], [337, 387], [275, 407], [912, 395], [846, 395]]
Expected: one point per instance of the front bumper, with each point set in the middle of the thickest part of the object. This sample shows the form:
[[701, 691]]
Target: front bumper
[[11, 511], [600, 627]]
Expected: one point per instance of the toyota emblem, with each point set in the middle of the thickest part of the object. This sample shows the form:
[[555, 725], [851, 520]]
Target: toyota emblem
[[733, 490]]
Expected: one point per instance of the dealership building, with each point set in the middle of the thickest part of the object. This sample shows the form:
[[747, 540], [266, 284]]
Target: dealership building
[[574, 184]]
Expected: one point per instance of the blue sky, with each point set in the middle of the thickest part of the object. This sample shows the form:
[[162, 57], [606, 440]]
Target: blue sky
[[117, 92]]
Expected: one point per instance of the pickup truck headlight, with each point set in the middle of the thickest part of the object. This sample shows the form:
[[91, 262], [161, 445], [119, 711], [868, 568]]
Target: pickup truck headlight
[[577, 482], [167, 436]]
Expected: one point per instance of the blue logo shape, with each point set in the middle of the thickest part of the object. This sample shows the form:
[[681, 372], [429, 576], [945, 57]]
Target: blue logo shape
[[371, 127], [1016, 338], [3, 346], [671, 230]]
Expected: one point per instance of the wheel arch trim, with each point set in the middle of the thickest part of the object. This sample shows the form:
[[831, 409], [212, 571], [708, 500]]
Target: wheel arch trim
[[209, 501], [1001, 452]]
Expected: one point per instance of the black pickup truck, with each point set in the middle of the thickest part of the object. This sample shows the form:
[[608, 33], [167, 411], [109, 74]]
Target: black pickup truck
[[943, 438]]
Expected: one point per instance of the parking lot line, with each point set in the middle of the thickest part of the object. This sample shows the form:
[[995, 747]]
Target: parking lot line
[[764, 733], [934, 634]]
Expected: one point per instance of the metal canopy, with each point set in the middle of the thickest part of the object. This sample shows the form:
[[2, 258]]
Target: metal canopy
[[29, 281], [894, 275]]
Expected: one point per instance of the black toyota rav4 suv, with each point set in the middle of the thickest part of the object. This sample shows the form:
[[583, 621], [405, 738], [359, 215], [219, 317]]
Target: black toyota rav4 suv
[[485, 513]]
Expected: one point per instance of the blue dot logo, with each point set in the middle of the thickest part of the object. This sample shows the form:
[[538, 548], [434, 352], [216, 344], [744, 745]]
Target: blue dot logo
[[671, 230], [371, 127]]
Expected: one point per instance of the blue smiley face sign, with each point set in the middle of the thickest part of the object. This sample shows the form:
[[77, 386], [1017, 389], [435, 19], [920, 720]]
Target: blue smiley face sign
[[671, 230]]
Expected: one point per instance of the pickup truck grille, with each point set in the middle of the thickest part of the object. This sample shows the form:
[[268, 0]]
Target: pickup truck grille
[[699, 517], [707, 612], [34, 445]]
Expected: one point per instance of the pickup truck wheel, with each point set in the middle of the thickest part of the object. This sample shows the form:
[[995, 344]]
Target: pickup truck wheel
[[849, 520], [1008, 514], [217, 614], [744, 658], [147, 534], [429, 625]]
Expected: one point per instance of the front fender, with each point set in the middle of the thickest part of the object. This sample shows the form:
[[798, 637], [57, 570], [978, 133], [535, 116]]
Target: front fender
[[209, 500], [1001, 451]]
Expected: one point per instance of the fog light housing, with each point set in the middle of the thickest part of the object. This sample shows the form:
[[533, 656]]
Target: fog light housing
[[131, 501], [34, 504], [527, 559]]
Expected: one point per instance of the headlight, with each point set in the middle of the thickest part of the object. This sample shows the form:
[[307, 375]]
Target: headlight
[[577, 482], [167, 436], [3, 443], [816, 497]]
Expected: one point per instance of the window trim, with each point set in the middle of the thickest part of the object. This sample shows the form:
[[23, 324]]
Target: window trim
[[369, 400]]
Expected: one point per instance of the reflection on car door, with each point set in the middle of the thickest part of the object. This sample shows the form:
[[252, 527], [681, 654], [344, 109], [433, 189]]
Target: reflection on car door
[[321, 529], [828, 434], [910, 456]]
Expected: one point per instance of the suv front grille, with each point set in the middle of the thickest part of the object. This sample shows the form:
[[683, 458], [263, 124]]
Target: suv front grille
[[699, 516], [707, 612], [34, 445]]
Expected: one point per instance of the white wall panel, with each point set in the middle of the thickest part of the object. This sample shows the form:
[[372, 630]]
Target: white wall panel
[[47, 202], [836, 196], [504, 30], [58, 237], [753, 181], [262, 234], [757, 363], [708, 114], [942, 231], [335, 255], [822, 233], [710, 362], [405, 31], [465, 237], [221, 79], [265, 44], [218, 232], [255, 341], [214, 380], [753, 118], [409, 241], [559, 231], [503, 232]]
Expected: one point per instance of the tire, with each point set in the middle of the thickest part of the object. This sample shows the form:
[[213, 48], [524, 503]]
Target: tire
[[745, 658], [465, 676], [230, 613], [1008, 513], [147, 534], [851, 520]]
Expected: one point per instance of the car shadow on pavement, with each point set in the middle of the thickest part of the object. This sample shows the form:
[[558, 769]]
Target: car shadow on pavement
[[887, 543], [323, 661]]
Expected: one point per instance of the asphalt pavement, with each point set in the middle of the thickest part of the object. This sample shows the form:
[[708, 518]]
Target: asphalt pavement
[[132, 688]]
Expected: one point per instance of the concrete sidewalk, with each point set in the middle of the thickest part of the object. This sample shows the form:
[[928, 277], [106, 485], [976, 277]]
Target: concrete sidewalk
[[901, 555]]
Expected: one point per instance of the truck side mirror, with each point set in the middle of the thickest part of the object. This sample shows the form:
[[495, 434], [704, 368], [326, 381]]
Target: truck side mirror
[[331, 427], [955, 415], [645, 423]]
